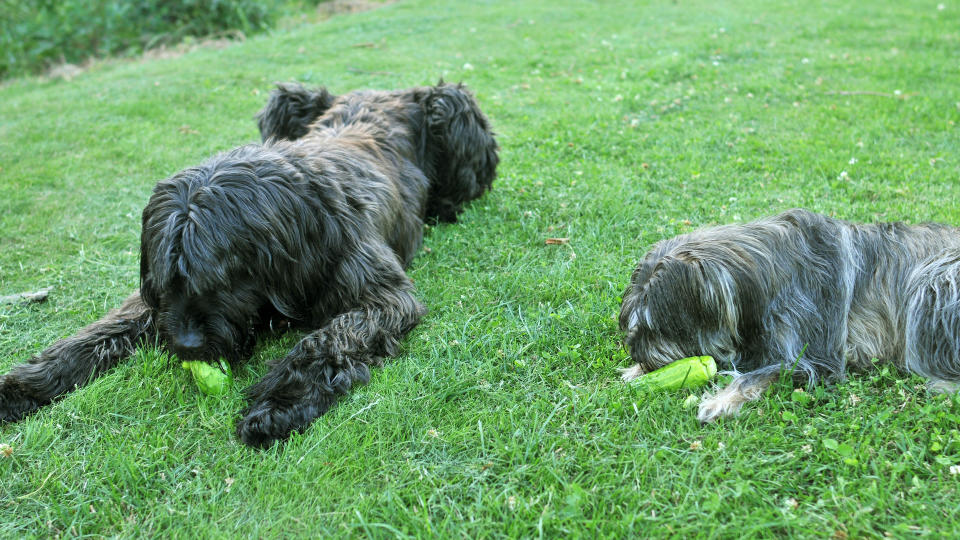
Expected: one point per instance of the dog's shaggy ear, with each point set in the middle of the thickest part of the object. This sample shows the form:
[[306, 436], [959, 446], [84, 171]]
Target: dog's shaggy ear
[[290, 111], [680, 300], [461, 151], [665, 295], [148, 285]]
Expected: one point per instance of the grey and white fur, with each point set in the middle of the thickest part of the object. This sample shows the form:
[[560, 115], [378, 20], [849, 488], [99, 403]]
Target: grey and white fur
[[798, 292]]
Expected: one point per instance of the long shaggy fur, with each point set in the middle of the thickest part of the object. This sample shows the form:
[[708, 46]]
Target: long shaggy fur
[[311, 228], [798, 292]]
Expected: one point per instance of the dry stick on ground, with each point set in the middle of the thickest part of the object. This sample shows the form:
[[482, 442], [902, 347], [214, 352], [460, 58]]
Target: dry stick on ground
[[365, 72], [26, 297]]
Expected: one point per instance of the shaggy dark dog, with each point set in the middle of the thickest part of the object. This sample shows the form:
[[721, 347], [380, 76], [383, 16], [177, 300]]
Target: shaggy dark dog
[[314, 228], [801, 293]]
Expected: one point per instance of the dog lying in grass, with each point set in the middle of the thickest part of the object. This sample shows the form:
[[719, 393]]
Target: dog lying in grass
[[314, 226], [802, 293]]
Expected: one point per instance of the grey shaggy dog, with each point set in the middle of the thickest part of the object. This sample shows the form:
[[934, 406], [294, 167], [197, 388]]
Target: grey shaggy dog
[[802, 293], [313, 228]]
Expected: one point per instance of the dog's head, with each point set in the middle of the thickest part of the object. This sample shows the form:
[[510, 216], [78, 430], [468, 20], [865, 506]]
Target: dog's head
[[208, 239], [680, 303], [460, 151]]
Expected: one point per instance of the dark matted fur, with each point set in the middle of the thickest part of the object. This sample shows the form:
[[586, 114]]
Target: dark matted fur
[[314, 226], [799, 292]]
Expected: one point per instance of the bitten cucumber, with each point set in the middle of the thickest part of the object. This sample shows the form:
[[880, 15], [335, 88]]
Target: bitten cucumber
[[211, 380], [684, 373]]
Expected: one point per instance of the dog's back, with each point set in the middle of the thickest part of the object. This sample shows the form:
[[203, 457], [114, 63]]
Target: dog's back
[[440, 129]]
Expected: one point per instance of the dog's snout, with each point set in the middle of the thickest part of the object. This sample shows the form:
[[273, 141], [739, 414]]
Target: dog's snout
[[189, 340]]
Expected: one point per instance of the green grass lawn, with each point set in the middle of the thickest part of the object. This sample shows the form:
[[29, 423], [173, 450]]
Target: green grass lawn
[[621, 123]]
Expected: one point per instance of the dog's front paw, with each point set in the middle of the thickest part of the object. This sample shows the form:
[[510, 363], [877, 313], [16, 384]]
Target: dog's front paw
[[726, 402], [262, 424], [14, 402], [265, 422]]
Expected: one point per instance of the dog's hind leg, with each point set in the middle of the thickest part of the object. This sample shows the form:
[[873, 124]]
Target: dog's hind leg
[[74, 361], [933, 321], [328, 362]]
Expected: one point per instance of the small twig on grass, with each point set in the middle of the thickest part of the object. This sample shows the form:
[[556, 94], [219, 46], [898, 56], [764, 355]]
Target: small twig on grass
[[867, 93], [34, 492], [27, 297]]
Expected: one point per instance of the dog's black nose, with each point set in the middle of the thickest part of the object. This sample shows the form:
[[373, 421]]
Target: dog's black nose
[[188, 341]]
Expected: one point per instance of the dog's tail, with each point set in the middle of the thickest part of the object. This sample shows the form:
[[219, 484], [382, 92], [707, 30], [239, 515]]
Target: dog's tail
[[461, 150], [74, 361], [933, 321], [290, 111]]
